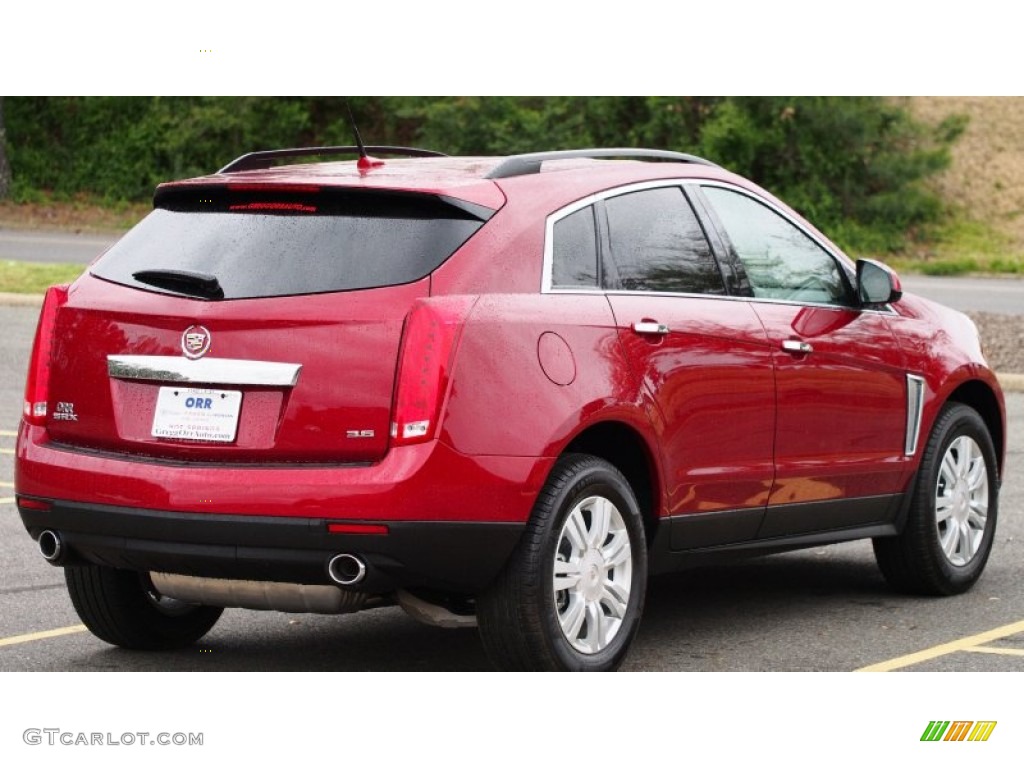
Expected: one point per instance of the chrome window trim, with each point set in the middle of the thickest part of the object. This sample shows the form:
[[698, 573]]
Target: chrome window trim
[[887, 310], [915, 407], [207, 370], [553, 218]]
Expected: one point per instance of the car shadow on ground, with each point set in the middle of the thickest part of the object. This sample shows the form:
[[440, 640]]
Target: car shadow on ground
[[781, 612]]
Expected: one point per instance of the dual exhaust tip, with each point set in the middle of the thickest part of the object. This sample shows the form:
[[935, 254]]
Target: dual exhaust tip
[[345, 569]]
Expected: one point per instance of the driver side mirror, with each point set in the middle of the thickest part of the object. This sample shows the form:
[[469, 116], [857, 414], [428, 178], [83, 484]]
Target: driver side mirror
[[876, 283]]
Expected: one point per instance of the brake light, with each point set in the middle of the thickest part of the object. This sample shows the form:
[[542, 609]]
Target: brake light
[[37, 385], [272, 206], [431, 335]]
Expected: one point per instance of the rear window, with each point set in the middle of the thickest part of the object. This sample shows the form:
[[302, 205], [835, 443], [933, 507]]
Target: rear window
[[260, 244]]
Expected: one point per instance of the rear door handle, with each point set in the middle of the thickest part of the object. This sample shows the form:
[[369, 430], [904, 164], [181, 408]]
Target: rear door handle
[[652, 327], [797, 347]]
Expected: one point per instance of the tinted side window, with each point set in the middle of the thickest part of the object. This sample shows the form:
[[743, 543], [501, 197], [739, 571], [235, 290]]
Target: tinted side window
[[657, 244], [574, 251], [781, 262]]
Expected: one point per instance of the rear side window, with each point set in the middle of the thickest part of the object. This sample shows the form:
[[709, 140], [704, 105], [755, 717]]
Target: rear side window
[[258, 244], [574, 256], [657, 244]]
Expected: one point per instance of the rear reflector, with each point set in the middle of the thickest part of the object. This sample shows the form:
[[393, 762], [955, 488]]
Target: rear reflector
[[358, 528], [37, 385], [428, 349], [25, 503]]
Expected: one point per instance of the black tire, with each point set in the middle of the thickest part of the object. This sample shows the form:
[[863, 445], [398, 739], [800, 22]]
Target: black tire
[[915, 562], [122, 608], [520, 617]]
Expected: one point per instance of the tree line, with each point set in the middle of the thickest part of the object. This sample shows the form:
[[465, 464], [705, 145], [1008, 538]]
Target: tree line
[[856, 166]]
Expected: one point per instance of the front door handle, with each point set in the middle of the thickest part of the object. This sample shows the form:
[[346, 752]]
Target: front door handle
[[797, 347], [652, 327]]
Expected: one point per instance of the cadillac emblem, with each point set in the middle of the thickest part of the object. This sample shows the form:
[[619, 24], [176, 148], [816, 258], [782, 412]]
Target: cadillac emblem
[[195, 342]]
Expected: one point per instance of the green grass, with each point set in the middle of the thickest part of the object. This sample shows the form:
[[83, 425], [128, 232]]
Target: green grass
[[26, 277], [960, 247]]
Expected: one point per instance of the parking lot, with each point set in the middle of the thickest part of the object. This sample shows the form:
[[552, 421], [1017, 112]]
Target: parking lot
[[819, 609]]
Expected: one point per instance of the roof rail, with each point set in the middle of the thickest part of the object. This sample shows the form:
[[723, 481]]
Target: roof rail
[[524, 165], [255, 161]]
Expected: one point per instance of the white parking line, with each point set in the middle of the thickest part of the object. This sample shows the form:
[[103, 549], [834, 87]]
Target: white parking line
[[42, 635], [7, 451], [7, 501], [997, 651], [972, 643], [6, 485], [7, 433]]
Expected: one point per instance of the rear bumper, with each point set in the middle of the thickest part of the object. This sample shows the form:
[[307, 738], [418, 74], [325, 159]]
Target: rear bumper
[[458, 557], [452, 519]]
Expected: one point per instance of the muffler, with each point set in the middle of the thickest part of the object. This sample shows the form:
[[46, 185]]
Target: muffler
[[258, 595]]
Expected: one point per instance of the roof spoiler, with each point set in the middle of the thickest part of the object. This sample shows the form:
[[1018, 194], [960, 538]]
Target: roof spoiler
[[524, 165], [256, 161]]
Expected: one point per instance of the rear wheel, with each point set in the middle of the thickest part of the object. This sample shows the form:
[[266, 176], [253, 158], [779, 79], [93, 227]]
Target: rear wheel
[[952, 518], [122, 608], [571, 595]]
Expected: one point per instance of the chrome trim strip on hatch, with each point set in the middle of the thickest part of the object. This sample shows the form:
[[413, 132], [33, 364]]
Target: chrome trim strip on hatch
[[915, 405], [208, 370]]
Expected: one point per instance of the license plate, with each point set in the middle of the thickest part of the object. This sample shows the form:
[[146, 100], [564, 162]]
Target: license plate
[[210, 415]]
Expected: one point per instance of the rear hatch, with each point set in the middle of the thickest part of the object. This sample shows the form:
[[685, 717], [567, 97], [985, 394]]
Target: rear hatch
[[247, 323]]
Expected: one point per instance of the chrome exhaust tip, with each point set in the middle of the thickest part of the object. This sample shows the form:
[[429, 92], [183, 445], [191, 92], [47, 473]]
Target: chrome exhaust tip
[[346, 569], [51, 547]]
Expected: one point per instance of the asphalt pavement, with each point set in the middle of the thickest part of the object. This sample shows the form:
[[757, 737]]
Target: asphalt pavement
[[52, 247], [1003, 295]]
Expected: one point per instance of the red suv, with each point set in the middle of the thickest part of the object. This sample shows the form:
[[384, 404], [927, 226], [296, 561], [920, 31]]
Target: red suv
[[491, 390]]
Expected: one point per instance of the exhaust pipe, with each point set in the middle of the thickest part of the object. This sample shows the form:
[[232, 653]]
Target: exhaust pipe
[[259, 595], [346, 569], [51, 547]]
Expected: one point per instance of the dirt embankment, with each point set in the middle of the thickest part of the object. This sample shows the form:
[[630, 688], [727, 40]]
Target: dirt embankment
[[987, 173]]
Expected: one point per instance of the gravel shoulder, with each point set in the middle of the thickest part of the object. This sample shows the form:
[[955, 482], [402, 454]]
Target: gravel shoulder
[[1002, 339]]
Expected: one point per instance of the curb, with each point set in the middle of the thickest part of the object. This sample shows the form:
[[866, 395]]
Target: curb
[[21, 299], [1010, 382]]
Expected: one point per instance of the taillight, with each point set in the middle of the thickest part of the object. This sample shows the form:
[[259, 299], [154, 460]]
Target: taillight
[[431, 335], [37, 385]]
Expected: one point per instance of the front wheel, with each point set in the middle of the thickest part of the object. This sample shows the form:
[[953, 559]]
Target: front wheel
[[571, 595], [951, 524], [122, 608]]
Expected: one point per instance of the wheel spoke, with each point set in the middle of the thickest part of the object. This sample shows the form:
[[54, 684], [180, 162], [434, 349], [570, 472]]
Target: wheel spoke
[[950, 540], [600, 521], [977, 476], [970, 543], [576, 531], [947, 472], [597, 627], [617, 552], [572, 618], [943, 508], [616, 598], [978, 512], [567, 575]]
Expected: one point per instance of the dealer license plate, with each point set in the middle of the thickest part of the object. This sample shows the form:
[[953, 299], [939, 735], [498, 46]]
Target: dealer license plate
[[210, 415]]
